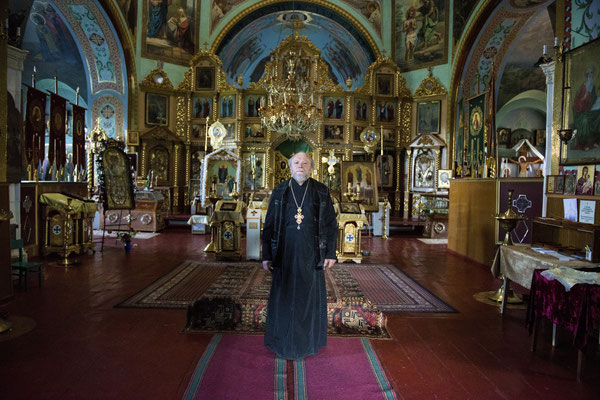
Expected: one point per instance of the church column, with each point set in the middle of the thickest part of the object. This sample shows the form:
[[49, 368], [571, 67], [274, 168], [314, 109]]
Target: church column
[[549, 72], [187, 174], [176, 178], [407, 205]]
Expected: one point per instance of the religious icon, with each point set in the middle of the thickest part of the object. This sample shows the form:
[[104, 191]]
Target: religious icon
[[385, 83], [428, 117], [157, 109], [205, 78]]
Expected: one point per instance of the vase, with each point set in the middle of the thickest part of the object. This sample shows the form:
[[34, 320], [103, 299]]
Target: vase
[[127, 247]]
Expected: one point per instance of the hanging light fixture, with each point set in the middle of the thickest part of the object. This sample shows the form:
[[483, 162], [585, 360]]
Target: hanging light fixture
[[293, 102]]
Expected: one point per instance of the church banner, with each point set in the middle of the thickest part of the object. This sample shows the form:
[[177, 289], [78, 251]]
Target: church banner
[[78, 137], [35, 126], [58, 110], [476, 151]]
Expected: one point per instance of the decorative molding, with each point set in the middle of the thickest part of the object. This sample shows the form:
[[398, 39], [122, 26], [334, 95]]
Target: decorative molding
[[157, 79], [430, 86]]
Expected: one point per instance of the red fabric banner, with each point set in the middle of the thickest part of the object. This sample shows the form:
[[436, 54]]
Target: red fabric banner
[[58, 111], [79, 137], [35, 126]]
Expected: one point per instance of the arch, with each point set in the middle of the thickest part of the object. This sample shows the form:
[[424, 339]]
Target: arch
[[245, 44]]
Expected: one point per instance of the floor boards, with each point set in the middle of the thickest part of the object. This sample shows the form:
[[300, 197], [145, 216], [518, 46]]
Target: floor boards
[[83, 347]]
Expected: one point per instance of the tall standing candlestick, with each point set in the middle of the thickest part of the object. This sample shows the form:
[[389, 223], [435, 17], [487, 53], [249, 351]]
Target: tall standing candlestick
[[55, 85], [382, 143], [77, 96], [33, 77], [206, 136]]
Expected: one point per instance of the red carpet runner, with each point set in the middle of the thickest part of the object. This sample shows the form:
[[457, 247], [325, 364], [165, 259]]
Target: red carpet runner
[[240, 367]]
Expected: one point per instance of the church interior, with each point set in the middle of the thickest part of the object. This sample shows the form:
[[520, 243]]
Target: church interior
[[140, 142]]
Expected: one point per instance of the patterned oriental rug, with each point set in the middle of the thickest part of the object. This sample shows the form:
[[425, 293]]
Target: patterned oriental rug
[[347, 368], [232, 297]]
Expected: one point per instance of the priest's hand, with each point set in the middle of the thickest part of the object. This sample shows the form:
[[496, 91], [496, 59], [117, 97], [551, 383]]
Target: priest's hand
[[268, 266], [329, 263]]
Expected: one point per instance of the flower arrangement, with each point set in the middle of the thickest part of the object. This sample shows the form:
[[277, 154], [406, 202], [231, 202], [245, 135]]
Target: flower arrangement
[[126, 237]]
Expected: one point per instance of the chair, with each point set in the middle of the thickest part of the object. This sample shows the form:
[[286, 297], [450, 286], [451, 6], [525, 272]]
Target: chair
[[22, 268]]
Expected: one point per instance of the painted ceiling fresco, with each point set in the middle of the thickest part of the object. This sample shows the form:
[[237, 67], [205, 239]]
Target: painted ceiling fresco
[[52, 49], [519, 73], [246, 51]]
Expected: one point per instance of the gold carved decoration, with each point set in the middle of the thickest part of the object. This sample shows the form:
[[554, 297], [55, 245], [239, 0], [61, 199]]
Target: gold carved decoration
[[281, 174], [222, 84], [425, 140], [181, 124], [430, 86], [157, 79], [186, 84], [6, 215], [203, 55]]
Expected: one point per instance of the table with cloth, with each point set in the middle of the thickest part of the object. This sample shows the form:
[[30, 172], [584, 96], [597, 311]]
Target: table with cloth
[[517, 263], [576, 310]]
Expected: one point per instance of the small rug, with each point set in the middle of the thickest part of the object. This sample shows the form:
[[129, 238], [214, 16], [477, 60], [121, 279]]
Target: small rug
[[388, 288], [434, 241], [113, 234], [347, 368]]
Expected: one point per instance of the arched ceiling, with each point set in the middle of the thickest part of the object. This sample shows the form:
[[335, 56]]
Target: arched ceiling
[[247, 46]]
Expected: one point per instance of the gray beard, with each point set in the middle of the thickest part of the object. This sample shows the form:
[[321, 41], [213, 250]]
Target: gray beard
[[300, 178]]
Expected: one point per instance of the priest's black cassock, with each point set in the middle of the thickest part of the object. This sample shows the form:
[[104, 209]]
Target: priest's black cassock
[[297, 309]]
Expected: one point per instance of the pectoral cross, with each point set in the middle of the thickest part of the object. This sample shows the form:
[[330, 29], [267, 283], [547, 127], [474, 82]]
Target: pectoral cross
[[299, 217]]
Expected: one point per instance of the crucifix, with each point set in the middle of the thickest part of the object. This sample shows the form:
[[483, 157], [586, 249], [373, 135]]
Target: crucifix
[[331, 161], [252, 160]]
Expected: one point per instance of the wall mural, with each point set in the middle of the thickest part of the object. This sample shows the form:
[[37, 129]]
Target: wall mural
[[218, 10], [169, 30], [52, 48], [519, 73], [371, 10], [110, 111], [461, 13], [129, 10], [585, 23], [420, 33], [246, 50]]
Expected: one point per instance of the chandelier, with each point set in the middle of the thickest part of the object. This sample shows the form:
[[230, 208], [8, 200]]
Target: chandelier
[[293, 105]]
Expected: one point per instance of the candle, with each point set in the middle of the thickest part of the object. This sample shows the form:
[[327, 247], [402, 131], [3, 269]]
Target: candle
[[544, 53], [18, 31], [382, 142], [349, 186], [555, 41], [206, 136]]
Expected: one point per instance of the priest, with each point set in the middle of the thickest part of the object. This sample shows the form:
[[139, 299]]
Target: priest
[[298, 244]]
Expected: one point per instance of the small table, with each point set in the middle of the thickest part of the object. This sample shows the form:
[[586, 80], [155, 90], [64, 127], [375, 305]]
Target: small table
[[198, 223], [577, 311], [517, 263]]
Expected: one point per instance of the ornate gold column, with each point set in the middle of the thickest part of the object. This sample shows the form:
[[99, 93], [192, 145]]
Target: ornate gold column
[[175, 177], [143, 163], [187, 174]]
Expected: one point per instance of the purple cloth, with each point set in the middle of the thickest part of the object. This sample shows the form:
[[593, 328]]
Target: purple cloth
[[577, 311]]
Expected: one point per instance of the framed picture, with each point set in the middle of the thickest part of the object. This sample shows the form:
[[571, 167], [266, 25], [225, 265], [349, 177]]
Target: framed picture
[[198, 131], [361, 177], [559, 184], [118, 183], [385, 84], [385, 170], [221, 176], [157, 109], [503, 136], [201, 106], [227, 104], [257, 180], [349, 208], [585, 184], [357, 131], [230, 128], [551, 183], [444, 176], [252, 104], [420, 33], [133, 138], [583, 66], [333, 132], [169, 31], [333, 107], [205, 78], [386, 111], [570, 181], [428, 117], [254, 131], [597, 180], [361, 110]]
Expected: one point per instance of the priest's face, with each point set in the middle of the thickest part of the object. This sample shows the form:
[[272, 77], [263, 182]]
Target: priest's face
[[301, 167]]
